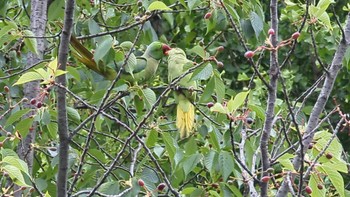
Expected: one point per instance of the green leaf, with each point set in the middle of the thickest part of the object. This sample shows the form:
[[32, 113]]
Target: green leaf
[[214, 193], [60, 72], [234, 190], [28, 77], [188, 190], [16, 162], [219, 108], [47, 194], [8, 152], [238, 101], [324, 18], [56, 11], [202, 73], [219, 86], [198, 50], [43, 73], [52, 66], [285, 161], [45, 118], [314, 181], [73, 114], [191, 162], [30, 42], [323, 4], [169, 147], [152, 138], [242, 77], [157, 5], [258, 110], [192, 4], [210, 161], [52, 127], [16, 116], [73, 71], [149, 97], [226, 164], [336, 178], [257, 23], [214, 140], [98, 155], [109, 188], [23, 126], [15, 174], [131, 64], [208, 91], [103, 48]]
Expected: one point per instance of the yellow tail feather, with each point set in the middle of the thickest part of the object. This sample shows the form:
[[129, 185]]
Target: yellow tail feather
[[185, 121]]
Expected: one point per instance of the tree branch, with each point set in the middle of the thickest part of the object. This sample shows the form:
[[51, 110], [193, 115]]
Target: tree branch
[[61, 100]]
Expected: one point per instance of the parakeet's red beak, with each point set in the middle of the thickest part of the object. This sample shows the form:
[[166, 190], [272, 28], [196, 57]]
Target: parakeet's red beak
[[165, 49]]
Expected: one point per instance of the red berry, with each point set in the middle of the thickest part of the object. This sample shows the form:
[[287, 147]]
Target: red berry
[[308, 190], [220, 64], [271, 32], [265, 179], [161, 186], [39, 105], [311, 145], [320, 186], [329, 155], [215, 185], [33, 101], [220, 49], [6, 89], [249, 54], [210, 104], [296, 35], [141, 183], [207, 15]]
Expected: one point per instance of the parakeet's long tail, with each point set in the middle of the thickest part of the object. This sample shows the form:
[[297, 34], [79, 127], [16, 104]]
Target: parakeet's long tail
[[185, 120]]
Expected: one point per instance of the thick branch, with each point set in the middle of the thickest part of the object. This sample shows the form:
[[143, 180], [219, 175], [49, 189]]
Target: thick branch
[[274, 72], [61, 100], [321, 102]]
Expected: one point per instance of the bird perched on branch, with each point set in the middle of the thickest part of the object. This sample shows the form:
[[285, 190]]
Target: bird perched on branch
[[140, 70], [185, 113]]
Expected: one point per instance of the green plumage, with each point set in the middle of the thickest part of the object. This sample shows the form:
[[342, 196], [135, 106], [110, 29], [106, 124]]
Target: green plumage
[[138, 70], [177, 65], [146, 65]]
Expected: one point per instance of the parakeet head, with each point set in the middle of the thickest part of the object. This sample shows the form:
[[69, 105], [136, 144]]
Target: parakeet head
[[157, 50], [176, 51]]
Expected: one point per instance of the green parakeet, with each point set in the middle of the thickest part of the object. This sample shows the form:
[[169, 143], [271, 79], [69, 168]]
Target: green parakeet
[[185, 113], [146, 65], [140, 71]]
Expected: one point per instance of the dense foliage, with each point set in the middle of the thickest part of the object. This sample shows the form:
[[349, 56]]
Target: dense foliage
[[123, 137]]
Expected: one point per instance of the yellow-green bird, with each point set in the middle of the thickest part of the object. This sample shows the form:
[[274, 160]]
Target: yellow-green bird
[[185, 112], [142, 71]]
